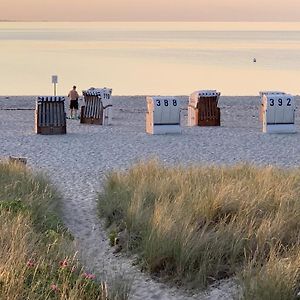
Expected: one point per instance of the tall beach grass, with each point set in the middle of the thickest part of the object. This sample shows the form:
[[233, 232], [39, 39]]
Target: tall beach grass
[[37, 256], [197, 225]]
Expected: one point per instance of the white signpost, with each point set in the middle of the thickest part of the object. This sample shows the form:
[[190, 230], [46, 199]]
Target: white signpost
[[54, 81]]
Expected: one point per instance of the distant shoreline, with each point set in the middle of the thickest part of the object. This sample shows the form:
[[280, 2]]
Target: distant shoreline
[[147, 21], [132, 96]]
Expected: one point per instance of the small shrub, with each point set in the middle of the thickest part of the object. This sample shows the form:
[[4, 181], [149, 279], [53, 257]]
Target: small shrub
[[112, 238], [197, 225], [14, 206]]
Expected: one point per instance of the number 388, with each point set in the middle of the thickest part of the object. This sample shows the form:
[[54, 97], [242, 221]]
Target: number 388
[[166, 102]]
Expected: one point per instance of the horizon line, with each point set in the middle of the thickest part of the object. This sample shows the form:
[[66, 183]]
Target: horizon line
[[148, 21]]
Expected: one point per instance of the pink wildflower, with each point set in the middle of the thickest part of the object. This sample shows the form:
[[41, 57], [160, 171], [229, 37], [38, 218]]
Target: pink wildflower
[[89, 275], [30, 263], [63, 263], [54, 287]]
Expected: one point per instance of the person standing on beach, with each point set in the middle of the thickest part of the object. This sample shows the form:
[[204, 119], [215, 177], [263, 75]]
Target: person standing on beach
[[73, 96]]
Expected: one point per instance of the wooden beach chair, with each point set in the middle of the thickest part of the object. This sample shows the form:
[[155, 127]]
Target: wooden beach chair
[[50, 116], [17, 160], [203, 108], [163, 115], [98, 107]]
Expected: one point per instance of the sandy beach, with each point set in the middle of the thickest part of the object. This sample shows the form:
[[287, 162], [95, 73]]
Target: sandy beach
[[77, 162]]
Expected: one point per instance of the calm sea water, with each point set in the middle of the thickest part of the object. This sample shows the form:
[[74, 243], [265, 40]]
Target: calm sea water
[[150, 58]]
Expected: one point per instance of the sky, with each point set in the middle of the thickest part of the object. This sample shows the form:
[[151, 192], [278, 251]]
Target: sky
[[150, 10]]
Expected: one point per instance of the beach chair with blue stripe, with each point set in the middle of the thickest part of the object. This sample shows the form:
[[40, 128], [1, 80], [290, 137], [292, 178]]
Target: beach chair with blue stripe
[[98, 107], [50, 116]]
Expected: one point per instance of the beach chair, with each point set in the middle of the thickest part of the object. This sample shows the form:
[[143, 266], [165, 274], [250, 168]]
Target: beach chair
[[278, 112], [50, 116], [203, 108], [17, 160], [163, 115], [98, 107]]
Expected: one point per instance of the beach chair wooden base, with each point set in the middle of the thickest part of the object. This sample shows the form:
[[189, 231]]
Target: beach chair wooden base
[[51, 130], [198, 118], [161, 129], [212, 120], [90, 120], [279, 128]]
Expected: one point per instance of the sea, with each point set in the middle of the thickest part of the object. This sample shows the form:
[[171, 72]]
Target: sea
[[149, 58]]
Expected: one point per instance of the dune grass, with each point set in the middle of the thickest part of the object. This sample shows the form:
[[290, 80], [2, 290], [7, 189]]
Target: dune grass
[[198, 225], [37, 255]]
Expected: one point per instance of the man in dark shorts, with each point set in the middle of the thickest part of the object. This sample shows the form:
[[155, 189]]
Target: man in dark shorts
[[73, 96]]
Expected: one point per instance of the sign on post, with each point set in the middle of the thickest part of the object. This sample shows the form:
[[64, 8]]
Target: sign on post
[[54, 81]]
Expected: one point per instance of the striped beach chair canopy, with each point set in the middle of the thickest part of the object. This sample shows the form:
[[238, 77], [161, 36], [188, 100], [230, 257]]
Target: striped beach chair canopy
[[197, 96], [208, 93], [100, 92], [50, 98], [261, 93]]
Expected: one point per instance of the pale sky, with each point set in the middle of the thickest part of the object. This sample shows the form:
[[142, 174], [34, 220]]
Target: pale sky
[[150, 10]]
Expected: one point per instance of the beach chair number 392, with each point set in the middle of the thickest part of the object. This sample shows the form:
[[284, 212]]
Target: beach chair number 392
[[166, 102], [272, 102]]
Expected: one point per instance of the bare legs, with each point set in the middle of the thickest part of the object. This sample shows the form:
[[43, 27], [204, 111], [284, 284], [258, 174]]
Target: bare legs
[[73, 113]]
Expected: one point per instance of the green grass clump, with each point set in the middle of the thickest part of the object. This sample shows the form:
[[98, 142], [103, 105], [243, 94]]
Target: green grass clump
[[37, 256], [276, 278], [197, 225]]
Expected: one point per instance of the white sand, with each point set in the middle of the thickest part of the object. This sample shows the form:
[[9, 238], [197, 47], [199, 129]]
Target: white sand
[[77, 164]]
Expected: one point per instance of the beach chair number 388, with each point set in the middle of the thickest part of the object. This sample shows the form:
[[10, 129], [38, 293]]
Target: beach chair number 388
[[166, 102], [272, 102]]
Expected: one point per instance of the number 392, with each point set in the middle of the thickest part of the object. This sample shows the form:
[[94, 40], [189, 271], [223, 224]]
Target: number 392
[[280, 102]]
